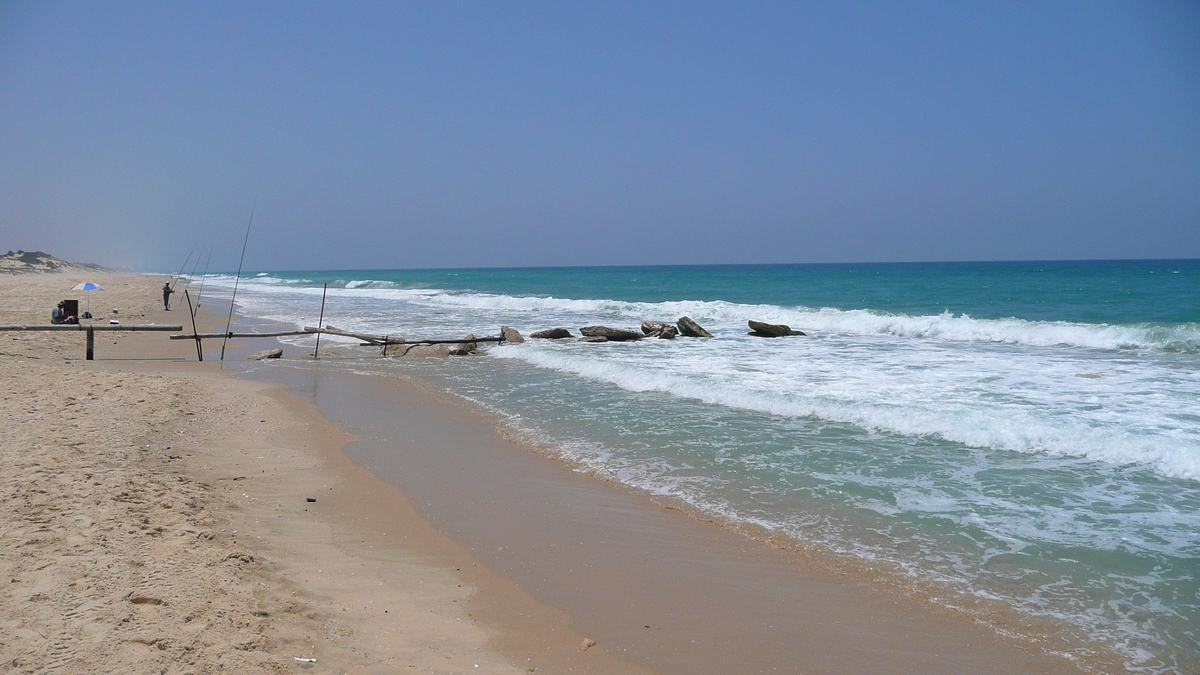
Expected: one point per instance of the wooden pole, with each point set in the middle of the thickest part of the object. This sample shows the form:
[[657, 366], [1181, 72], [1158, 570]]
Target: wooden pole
[[192, 313], [365, 337], [373, 340], [82, 326], [91, 343], [238, 278], [205, 276], [218, 336], [320, 320]]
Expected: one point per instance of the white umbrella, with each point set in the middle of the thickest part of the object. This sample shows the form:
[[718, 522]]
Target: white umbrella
[[89, 287]]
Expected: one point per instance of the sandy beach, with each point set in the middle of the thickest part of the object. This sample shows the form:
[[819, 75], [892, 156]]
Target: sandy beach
[[166, 516], [158, 519]]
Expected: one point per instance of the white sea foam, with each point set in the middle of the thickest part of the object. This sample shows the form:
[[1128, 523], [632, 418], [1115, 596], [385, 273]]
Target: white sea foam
[[914, 399], [1007, 384], [731, 317], [369, 283]]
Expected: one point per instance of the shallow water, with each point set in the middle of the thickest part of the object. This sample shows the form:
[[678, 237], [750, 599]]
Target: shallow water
[[1021, 438]]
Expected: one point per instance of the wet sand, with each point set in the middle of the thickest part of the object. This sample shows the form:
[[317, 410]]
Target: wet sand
[[665, 591], [433, 544]]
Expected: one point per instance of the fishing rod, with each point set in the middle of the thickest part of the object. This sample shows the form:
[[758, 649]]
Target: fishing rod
[[192, 274], [183, 267], [202, 278], [236, 279]]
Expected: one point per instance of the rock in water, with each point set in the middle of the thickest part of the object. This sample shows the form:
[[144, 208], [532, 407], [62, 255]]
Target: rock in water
[[653, 328], [613, 334], [668, 333], [466, 347], [593, 338], [266, 354], [511, 335], [771, 329], [691, 328], [552, 334], [423, 351]]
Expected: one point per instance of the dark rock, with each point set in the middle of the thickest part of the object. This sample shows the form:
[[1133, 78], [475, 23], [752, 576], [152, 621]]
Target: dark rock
[[464, 348], [511, 335], [653, 328], [593, 338], [310, 500], [613, 334], [266, 354], [691, 328], [668, 333], [552, 334], [771, 329]]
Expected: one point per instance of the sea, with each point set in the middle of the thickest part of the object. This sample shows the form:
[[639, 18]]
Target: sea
[[1019, 441]]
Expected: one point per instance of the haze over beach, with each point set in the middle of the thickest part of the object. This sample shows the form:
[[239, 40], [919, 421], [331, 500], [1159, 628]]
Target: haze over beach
[[403, 135], [875, 347]]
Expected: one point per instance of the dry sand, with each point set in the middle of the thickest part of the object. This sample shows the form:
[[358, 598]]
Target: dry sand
[[156, 521]]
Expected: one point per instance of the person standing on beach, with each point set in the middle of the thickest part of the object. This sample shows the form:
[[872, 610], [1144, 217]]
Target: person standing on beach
[[167, 291]]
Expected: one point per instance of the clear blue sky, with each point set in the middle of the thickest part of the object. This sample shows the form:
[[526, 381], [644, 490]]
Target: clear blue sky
[[445, 134]]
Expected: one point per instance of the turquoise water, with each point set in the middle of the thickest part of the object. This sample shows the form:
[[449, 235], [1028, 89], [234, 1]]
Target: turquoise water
[[1019, 440]]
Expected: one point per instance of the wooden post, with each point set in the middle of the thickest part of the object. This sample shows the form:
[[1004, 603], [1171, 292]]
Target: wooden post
[[91, 343], [192, 313], [320, 320]]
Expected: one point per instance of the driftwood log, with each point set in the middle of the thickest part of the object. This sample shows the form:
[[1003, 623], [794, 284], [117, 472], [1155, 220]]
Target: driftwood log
[[365, 337]]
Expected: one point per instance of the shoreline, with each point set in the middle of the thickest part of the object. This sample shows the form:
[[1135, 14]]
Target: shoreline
[[519, 621], [617, 562]]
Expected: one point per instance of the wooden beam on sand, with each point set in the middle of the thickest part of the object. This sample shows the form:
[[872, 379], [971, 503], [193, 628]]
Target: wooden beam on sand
[[388, 340], [375, 340], [96, 326], [218, 336], [91, 328], [308, 330]]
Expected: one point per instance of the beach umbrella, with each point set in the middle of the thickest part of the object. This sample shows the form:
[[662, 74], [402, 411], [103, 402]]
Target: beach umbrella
[[89, 287]]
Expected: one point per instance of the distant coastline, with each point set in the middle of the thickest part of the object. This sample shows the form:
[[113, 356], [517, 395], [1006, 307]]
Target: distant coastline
[[25, 262]]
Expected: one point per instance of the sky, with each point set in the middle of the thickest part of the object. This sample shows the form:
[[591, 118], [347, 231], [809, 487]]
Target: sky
[[498, 134]]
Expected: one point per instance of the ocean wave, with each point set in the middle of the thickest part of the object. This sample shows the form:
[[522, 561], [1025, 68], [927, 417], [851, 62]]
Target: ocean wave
[[946, 326], [998, 427], [368, 283], [730, 318]]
